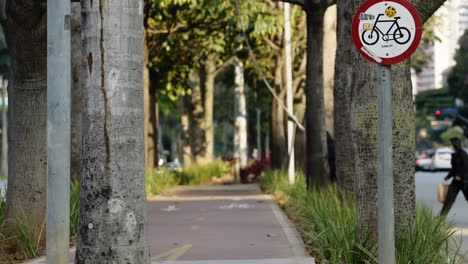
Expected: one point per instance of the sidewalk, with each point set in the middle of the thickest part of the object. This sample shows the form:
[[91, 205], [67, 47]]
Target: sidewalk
[[220, 224]]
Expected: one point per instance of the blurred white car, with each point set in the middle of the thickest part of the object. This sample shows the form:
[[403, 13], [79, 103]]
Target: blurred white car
[[442, 159], [424, 160]]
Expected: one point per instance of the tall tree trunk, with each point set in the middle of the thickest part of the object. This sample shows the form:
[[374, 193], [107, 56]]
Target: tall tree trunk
[[329, 41], [186, 148], [317, 173], [150, 104], [25, 29], [364, 133], [197, 120], [344, 82], [300, 139], [76, 92], [4, 128], [113, 212], [209, 83], [154, 116], [279, 149], [241, 150]]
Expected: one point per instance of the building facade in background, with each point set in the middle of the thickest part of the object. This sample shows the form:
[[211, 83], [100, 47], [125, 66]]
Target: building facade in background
[[452, 21]]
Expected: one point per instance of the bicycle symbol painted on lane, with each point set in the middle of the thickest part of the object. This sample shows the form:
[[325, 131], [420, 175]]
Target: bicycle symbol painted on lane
[[372, 33]]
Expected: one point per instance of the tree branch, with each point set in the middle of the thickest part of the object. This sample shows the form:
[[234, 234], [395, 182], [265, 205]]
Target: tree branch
[[427, 8], [221, 67], [272, 44]]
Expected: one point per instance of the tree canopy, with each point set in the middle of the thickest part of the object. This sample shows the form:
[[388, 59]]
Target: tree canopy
[[458, 77]]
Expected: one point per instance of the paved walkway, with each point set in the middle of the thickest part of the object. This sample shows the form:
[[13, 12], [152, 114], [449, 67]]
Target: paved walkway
[[236, 223], [224, 224]]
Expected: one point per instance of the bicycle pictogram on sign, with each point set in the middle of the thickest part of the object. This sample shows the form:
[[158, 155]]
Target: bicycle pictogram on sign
[[399, 34]]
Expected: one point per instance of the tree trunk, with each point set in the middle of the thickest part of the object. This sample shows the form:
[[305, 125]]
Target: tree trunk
[[113, 212], [25, 29], [317, 173], [279, 149], [76, 92], [300, 139], [344, 81], [209, 83], [151, 115], [241, 150], [186, 148], [364, 136], [197, 120], [329, 41]]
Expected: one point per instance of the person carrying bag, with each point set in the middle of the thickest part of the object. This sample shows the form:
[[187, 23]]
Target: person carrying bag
[[459, 173]]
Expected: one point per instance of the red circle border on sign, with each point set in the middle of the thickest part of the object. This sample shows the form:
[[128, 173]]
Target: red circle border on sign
[[414, 45]]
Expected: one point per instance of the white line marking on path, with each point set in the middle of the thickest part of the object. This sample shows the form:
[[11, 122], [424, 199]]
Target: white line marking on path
[[237, 206], [170, 208]]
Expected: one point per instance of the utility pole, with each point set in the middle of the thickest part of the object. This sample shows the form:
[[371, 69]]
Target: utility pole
[[58, 131], [289, 91], [259, 133]]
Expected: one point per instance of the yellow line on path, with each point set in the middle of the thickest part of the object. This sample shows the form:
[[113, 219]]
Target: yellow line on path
[[195, 227], [173, 254]]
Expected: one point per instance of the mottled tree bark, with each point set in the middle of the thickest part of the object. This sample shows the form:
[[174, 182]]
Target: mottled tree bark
[[112, 224], [364, 136], [25, 30], [344, 81], [197, 119], [76, 92]]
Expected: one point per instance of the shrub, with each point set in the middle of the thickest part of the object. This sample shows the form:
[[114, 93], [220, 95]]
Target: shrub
[[201, 174], [327, 224], [161, 179]]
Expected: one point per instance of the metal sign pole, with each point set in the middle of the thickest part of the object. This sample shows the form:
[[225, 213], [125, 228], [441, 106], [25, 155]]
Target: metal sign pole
[[58, 131], [385, 166]]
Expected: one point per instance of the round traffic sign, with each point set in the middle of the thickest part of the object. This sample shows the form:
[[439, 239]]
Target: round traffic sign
[[386, 31]]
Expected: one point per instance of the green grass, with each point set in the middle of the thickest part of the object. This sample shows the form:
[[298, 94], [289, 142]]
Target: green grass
[[161, 179], [327, 225], [21, 240], [74, 207]]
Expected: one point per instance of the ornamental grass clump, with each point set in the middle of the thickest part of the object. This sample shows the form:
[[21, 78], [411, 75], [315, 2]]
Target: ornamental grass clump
[[327, 223]]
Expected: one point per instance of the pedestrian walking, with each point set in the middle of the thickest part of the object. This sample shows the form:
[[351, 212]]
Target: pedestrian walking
[[459, 173]]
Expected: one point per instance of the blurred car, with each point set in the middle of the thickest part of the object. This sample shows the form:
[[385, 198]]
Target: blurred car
[[424, 160], [442, 159]]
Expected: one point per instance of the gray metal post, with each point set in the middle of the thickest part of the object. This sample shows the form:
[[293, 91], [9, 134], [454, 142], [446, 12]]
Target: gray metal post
[[289, 91], [259, 133], [385, 166], [58, 131]]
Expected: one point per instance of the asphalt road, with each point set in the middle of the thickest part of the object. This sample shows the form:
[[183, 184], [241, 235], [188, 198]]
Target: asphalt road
[[426, 192]]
